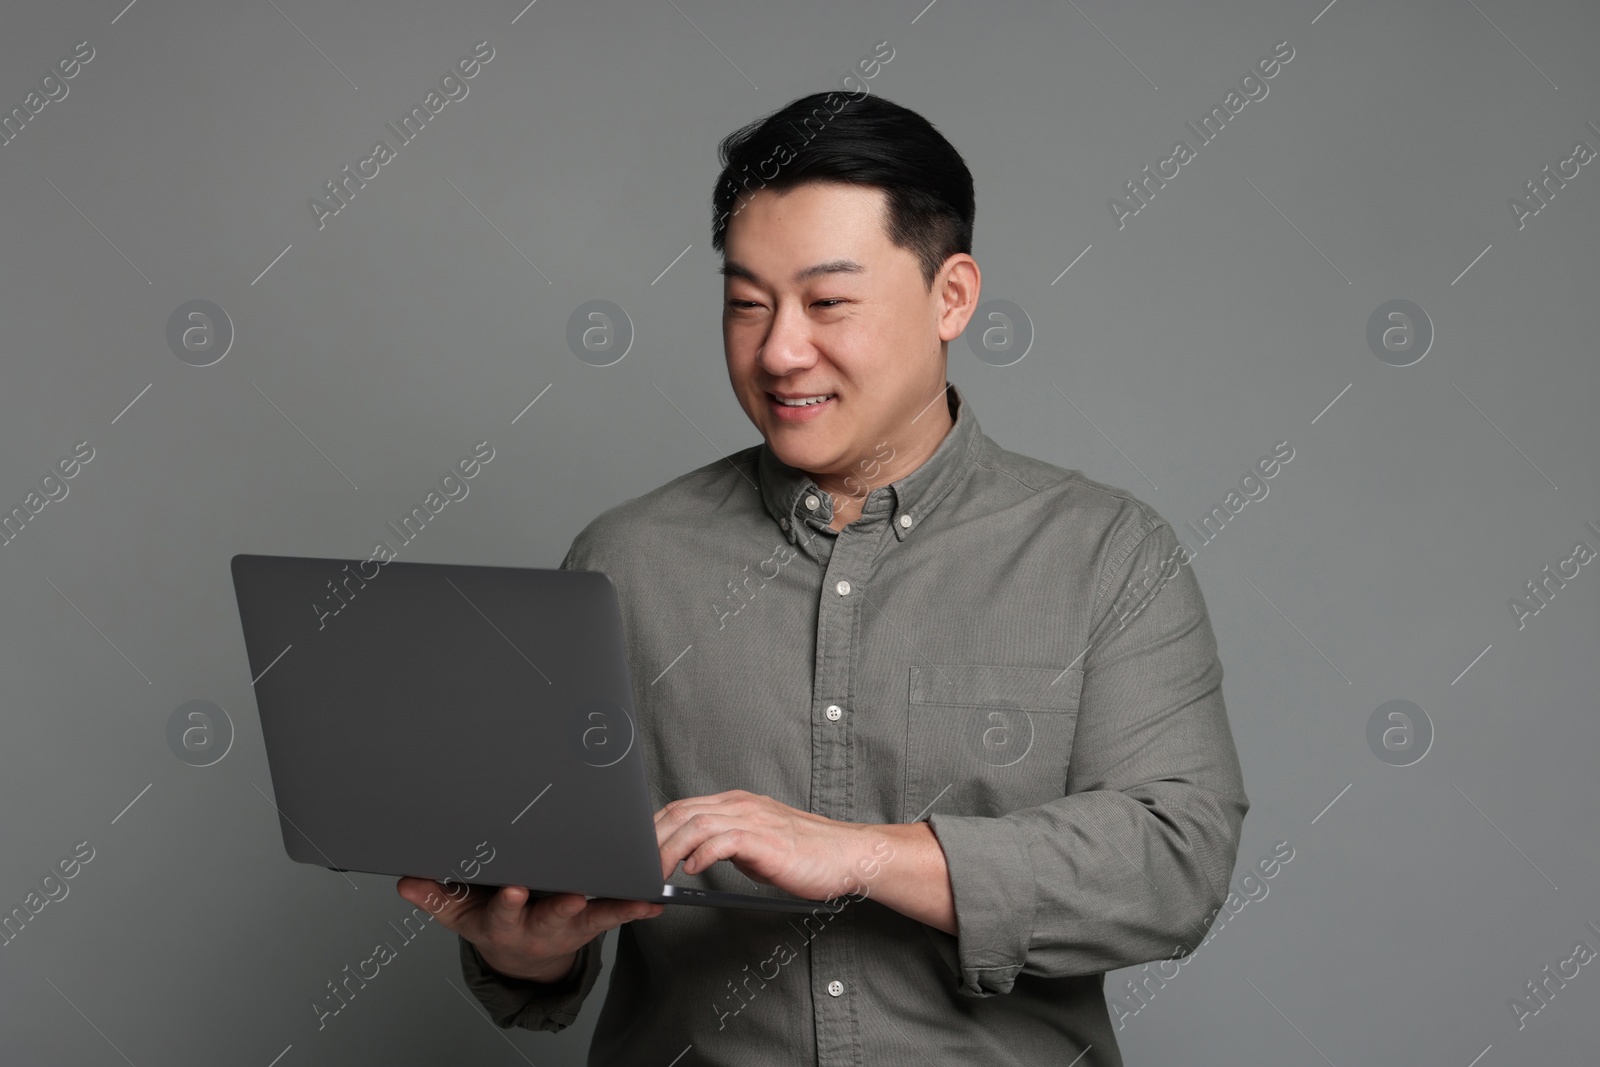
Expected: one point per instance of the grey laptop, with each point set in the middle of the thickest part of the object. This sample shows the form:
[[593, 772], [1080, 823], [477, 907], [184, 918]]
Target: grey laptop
[[470, 723]]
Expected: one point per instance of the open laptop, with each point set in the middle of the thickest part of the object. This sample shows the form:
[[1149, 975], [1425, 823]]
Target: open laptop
[[444, 721]]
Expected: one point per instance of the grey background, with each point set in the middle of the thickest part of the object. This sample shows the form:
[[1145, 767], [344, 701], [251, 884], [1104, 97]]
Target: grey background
[[1226, 317]]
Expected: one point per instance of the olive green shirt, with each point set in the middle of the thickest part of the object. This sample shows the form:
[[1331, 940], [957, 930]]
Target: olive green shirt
[[1012, 651]]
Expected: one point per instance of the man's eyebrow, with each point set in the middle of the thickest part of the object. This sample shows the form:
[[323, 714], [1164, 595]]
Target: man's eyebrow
[[735, 269]]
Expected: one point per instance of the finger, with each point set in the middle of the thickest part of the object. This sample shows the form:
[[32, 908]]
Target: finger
[[556, 911], [752, 810], [503, 914], [573, 915], [606, 914], [603, 914], [695, 832], [673, 811], [689, 805], [425, 893], [446, 905], [726, 845], [669, 823]]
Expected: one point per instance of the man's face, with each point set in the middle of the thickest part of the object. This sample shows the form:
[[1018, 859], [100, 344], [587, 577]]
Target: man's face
[[860, 328]]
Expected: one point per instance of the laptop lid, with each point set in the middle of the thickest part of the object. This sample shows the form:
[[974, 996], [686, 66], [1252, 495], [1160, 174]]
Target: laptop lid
[[419, 717]]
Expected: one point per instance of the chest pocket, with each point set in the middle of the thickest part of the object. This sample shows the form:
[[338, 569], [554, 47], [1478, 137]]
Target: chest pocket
[[987, 740]]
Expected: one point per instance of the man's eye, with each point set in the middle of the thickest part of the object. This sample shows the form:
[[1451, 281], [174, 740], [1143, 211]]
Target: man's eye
[[740, 305]]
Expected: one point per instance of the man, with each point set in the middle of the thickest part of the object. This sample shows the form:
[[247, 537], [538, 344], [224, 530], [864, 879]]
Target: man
[[878, 655]]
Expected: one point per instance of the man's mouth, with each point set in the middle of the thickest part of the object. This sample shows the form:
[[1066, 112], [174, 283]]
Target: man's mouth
[[803, 401]]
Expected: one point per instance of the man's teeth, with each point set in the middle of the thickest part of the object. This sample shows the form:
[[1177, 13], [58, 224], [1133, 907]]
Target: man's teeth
[[806, 402]]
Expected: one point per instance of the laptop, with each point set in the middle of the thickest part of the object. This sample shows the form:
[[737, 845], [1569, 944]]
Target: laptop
[[472, 724]]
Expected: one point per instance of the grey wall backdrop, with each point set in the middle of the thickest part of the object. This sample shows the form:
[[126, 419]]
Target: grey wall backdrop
[[1443, 868]]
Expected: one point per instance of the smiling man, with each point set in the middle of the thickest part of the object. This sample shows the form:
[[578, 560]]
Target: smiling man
[[854, 360], [962, 695]]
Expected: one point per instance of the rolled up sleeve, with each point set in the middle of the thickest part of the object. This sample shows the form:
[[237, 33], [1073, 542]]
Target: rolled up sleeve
[[1133, 862], [531, 1005]]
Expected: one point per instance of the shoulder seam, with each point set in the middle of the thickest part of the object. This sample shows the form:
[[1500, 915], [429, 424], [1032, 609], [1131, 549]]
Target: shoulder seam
[[1074, 476], [1151, 525], [1007, 473], [735, 460]]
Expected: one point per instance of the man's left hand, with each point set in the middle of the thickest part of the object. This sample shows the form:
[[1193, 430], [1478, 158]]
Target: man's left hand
[[803, 854]]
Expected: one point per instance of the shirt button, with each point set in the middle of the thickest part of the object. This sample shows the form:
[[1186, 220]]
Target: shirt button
[[784, 523], [812, 502], [835, 988], [905, 521], [833, 712], [843, 588]]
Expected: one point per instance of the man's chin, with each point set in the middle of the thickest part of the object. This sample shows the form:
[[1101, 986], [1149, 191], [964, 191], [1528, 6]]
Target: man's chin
[[789, 447]]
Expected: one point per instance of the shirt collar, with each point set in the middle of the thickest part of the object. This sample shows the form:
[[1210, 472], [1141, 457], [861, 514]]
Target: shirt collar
[[906, 502]]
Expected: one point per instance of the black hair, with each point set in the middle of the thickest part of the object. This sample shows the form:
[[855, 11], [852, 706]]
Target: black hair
[[864, 140]]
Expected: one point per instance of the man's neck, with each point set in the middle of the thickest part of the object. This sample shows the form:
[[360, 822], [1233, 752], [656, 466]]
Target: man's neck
[[882, 466]]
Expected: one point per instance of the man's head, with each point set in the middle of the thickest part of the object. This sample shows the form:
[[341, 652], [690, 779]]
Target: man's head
[[846, 231]]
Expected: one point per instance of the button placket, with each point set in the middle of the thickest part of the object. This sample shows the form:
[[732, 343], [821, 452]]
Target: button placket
[[832, 950]]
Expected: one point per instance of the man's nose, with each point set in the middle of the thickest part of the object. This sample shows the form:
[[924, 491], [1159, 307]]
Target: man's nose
[[788, 344]]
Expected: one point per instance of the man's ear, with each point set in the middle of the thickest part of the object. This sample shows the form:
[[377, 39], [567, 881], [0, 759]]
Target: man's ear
[[960, 283]]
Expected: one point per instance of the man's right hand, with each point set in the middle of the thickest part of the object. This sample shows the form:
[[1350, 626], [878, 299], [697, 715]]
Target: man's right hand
[[535, 940]]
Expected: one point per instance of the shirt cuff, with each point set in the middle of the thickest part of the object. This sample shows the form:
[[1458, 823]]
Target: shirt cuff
[[531, 1005], [992, 882]]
